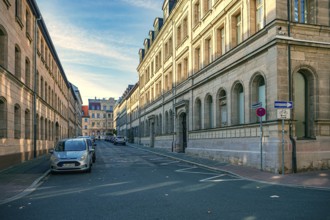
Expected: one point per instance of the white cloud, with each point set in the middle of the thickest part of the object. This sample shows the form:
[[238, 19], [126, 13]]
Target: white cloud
[[149, 4]]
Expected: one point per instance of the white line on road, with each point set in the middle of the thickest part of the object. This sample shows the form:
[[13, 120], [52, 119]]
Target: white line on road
[[185, 170], [167, 163], [213, 179]]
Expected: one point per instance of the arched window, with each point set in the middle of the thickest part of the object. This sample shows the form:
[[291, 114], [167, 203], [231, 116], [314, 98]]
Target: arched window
[[42, 129], [238, 104], [171, 115], [17, 62], [27, 124], [46, 94], [156, 125], [208, 112], [198, 114], [146, 125], [46, 129], [27, 72], [3, 117], [303, 86], [258, 95], [42, 87], [3, 47], [17, 122], [166, 123], [222, 108]]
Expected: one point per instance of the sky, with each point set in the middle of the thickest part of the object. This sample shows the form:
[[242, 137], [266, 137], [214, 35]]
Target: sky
[[98, 41]]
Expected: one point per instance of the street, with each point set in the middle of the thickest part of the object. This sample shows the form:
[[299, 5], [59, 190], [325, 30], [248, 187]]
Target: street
[[129, 183]]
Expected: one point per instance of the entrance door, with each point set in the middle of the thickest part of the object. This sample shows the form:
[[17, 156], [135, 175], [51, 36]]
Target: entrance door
[[184, 132], [152, 134]]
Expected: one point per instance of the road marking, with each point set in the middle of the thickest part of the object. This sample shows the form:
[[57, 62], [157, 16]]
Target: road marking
[[167, 163], [185, 170], [213, 179]]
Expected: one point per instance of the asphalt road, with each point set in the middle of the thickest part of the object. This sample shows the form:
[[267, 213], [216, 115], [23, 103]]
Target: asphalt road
[[128, 183]]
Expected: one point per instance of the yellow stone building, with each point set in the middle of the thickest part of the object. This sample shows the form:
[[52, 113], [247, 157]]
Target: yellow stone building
[[207, 64], [38, 105]]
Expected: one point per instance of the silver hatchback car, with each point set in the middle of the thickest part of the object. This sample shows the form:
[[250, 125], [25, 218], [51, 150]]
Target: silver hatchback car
[[71, 155]]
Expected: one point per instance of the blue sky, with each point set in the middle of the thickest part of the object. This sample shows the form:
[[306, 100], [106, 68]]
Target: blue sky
[[98, 41]]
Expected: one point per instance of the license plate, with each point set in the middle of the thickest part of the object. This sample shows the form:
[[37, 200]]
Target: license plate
[[68, 165]]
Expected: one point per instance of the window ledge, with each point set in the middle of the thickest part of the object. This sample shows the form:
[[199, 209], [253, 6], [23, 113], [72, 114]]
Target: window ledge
[[206, 15], [7, 3], [19, 21], [29, 36]]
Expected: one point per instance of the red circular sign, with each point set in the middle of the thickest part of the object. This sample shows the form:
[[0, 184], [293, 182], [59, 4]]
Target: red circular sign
[[260, 112]]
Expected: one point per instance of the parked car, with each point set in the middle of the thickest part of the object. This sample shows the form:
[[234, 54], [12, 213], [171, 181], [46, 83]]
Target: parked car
[[119, 140], [93, 138], [91, 144], [71, 155]]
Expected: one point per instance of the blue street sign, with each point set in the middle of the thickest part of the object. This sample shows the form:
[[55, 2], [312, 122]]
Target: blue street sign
[[283, 104]]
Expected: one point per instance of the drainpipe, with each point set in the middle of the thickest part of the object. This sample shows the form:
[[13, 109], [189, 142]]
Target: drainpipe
[[293, 141], [35, 88]]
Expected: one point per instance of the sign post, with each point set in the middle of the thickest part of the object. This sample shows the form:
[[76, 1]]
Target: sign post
[[283, 112], [260, 112]]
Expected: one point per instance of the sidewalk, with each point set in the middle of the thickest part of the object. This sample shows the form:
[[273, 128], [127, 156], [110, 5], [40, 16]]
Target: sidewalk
[[313, 179], [23, 178]]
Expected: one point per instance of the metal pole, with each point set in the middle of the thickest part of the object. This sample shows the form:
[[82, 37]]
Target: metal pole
[[260, 118], [282, 146]]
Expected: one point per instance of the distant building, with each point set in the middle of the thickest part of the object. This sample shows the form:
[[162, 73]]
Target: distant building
[[121, 110], [38, 105], [97, 119]]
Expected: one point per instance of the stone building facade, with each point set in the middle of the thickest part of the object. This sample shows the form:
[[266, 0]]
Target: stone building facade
[[37, 103], [99, 120], [127, 113], [122, 112], [207, 62]]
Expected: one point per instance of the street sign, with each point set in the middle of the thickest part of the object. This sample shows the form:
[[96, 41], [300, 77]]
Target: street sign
[[283, 104], [283, 114], [256, 105], [260, 112]]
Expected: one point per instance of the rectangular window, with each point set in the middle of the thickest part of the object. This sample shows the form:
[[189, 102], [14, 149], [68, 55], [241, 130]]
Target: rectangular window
[[185, 28], [185, 68], [197, 59], [259, 14], [28, 25], [238, 29], [197, 13], [178, 76], [220, 41], [304, 11], [178, 35], [208, 51]]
